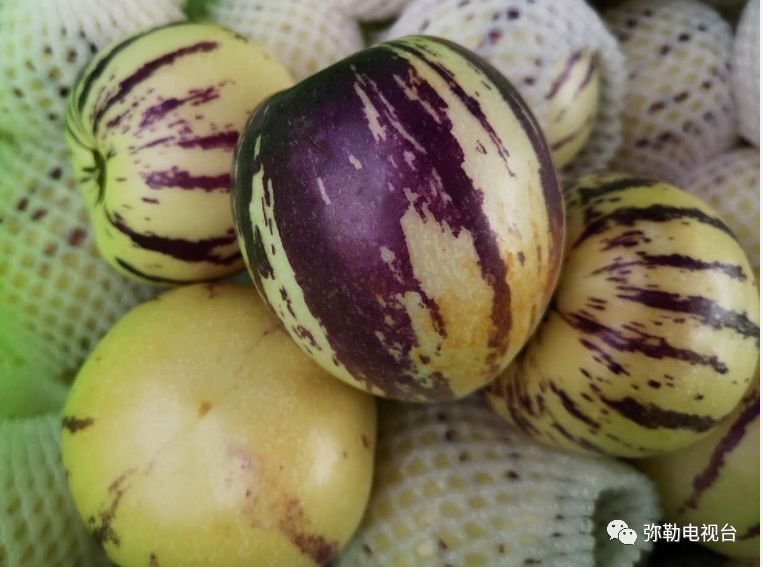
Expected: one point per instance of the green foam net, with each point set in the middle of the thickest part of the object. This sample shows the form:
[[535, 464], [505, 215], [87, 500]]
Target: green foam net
[[39, 526]]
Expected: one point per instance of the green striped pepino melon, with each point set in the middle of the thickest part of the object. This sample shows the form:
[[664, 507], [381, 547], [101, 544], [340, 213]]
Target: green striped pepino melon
[[652, 337], [152, 124], [401, 214]]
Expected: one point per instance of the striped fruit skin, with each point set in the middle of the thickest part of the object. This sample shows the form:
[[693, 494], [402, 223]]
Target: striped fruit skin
[[408, 237], [573, 102], [152, 123], [717, 480], [652, 337]]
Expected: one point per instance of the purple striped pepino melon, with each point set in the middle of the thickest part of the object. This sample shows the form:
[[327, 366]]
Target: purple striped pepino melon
[[652, 338], [152, 123], [401, 214], [717, 480]]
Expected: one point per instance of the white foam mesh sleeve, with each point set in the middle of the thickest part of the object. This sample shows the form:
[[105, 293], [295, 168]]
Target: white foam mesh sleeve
[[45, 43], [304, 35], [679, 110], [730, 183], [39, 525], [526, 41], [370, 10], [59, 295], [745, 72], [454, 486]]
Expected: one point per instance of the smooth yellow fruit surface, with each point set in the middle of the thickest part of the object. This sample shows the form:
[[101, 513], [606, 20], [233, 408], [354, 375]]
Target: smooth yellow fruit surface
[[652, 336], [717, 480], [198, 434]]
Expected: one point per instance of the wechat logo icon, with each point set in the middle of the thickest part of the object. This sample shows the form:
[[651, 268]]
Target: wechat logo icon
[[617, 529]]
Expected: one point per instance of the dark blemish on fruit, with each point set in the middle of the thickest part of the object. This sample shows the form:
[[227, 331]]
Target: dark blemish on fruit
[[424, 359], [367, 550], [314, 546], [450, 435], [512, 14], [699, 397], [441, 544], [153, 560], [71, 55], [366, 442], [204, 408], [213, 290], [532, 561], [104, 532], [521, 258], [55, 173], [664, 50], [654, 384], [501, 549], [75, 424], [38, 214], [440, 416], [463, 457], [511, 475]]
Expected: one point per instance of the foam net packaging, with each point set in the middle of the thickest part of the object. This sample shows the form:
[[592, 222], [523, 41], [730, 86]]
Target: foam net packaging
[[45, 43], [58, 295], [304, 35], [39, 525], [679, 110], [526, 41], [25, 388], [370, 10], [455, 486], [730, 183], [745, 72]]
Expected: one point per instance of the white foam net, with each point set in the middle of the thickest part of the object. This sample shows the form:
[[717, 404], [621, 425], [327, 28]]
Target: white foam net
[[455, 486], [526, 41], [304, 35], [39, 525], [745, 72], [45, 43], [370, 10], [59, 295], [730, 183], [679, 110]]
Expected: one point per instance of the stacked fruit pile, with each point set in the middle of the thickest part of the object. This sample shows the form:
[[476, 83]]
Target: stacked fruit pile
[[532, 226]]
